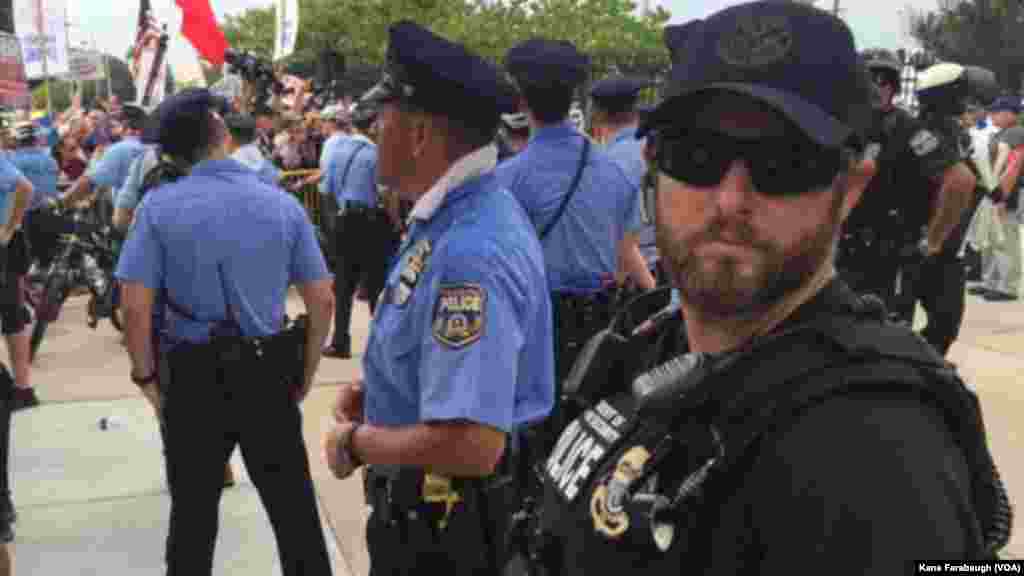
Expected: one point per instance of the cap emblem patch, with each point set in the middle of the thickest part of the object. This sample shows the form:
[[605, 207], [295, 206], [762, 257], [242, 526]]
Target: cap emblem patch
[[756, 41]]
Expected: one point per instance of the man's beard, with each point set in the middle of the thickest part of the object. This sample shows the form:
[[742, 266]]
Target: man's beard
[[716, 287]]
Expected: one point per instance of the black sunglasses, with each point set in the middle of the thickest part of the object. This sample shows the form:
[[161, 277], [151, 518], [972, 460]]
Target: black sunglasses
[[780, 166]]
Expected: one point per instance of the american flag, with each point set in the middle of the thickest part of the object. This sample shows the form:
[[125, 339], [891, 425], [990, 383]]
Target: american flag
[[147, 30]]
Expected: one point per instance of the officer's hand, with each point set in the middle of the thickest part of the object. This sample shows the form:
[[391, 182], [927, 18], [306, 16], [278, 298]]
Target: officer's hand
[[336, 452], [348, 407]]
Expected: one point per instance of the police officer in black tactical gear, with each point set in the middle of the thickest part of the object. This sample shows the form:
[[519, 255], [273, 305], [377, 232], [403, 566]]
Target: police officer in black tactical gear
[[221, 246], [941, 279], [912, 205], [758, 436]]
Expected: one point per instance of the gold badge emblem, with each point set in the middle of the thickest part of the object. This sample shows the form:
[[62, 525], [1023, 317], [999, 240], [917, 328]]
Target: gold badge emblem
[[459, 314], [607, 505]]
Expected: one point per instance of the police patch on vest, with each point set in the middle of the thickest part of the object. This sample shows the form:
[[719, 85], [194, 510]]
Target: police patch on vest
[[580, 448], [459, 314], [412, 268], [924, 143], [608, 503]]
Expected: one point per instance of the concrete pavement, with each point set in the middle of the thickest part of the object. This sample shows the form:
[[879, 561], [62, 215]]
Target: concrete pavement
[[94, 501]]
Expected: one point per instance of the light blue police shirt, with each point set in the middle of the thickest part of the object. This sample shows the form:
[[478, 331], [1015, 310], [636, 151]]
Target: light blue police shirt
[[127, 198], [360, 182], [581, 252], [463, 327], [326, 152], [112, 169], [625, 149], [251, 156], [41, 170], [222, 216], [9, 177]]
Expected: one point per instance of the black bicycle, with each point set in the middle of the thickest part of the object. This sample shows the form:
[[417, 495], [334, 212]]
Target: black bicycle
[[85, 259]]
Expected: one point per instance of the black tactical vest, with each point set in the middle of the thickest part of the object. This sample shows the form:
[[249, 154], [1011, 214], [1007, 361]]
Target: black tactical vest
[[632, 485]]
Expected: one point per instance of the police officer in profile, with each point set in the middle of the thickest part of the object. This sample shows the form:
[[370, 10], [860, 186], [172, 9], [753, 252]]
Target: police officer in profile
[[762, 435], [614, 120], [363, 232], [220, 247], [112, 169], [460, 348], [912, 205], [584, 206], [942, 93]]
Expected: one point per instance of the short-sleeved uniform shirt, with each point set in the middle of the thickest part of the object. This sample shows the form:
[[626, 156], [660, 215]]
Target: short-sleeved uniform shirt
[[351, 172], [581, 251], [463, 327], [41, 170], [250, 155], [325, 155], [131, 191], [221, 239], [112, 169], [628, 151], [9, 177]]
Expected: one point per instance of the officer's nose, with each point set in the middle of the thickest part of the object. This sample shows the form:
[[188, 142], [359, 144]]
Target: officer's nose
[[735, 192]]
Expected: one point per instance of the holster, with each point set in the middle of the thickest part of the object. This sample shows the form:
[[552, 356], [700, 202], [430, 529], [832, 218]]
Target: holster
[[428, 517], [280, 356]]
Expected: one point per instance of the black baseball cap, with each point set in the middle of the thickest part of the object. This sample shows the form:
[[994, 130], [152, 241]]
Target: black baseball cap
[[177, 123], [797, 59]]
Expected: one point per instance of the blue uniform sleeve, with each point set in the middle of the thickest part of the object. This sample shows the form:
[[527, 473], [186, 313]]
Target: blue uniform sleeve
[[326, 184], [127, 197], [142, 257], [308, 263], [364, 179], [471, 352], [9, 176], [107, 170], [634, 209]]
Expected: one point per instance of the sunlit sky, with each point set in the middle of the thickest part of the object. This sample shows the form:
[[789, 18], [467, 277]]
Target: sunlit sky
[[110, 24]]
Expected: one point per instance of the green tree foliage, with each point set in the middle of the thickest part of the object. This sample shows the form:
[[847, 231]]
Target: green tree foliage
[[609, 30], [987, 33]]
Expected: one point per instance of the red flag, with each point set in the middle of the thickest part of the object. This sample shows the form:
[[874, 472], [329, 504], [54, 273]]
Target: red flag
[[201, 28]]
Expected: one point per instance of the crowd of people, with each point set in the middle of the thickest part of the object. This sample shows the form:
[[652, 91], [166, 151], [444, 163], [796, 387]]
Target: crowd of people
[[633, 346]]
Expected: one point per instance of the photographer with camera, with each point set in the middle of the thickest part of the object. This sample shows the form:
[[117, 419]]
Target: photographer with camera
[[236, 373]]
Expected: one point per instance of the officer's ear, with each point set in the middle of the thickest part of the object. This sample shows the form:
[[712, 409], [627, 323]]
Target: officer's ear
[[421, 129], [855, 181]]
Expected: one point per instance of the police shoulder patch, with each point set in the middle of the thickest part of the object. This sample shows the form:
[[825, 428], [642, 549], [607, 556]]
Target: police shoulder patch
[[459, 314], [924, 143]]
